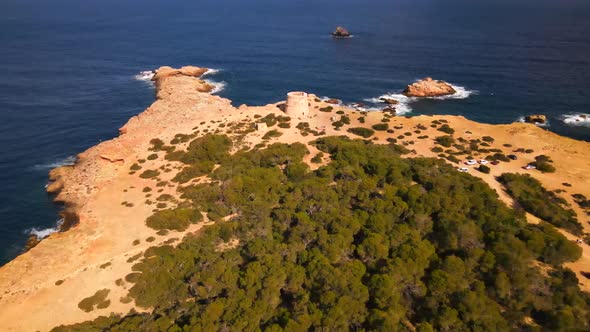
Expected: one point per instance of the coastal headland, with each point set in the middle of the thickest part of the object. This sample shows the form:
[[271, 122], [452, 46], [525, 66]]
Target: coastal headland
[[106, 188]]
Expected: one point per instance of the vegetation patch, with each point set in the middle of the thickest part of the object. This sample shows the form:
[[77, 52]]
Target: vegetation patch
[[360, 131], [149, 173], [371, 241], [380, 126], [272, 134], [445, 141], [544, 164], [174, 219], [446, 129], [96, 301], [535, 199]]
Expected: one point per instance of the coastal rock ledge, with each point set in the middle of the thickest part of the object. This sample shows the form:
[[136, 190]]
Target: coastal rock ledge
[[536, 119], [429, 88]]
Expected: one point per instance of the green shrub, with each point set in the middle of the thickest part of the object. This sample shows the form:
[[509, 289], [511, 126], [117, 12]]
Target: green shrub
[[149, 173], [175, 220], [135, 167], [446, 129], [209, 148], [157, 144], [544, 167], [488, 139], [194, 171], [317, 158], [284, 125], [98, 301], [380, 126], [360, 131], [437, 149], [500, 157], [582, 201], [270, 120], [272, 134], [445, 141], [326, 109], [484, 169]]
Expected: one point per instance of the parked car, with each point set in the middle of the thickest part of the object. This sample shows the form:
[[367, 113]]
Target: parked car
[[470, 162], [529, 166], [495, 162], [463, 169], [483, 162], [513, 157]]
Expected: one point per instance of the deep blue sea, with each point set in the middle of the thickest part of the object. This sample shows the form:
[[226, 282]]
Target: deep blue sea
[[68, 68]]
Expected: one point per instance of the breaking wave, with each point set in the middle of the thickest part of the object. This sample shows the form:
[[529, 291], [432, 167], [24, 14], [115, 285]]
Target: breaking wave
[[546, 124], [145, 75], [580, 119], [217, 86], [67, 161], [404, 102], [42, 233]]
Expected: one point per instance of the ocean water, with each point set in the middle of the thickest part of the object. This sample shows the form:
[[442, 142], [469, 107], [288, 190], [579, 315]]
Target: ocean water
[[69, 69]]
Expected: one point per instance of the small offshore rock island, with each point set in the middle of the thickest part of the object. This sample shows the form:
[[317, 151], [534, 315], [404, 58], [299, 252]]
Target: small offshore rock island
[[307, 214]]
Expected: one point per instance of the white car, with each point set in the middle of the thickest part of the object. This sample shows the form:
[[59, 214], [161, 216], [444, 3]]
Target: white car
[[483, 161], [529, 166], [463, 169], [470, 162]]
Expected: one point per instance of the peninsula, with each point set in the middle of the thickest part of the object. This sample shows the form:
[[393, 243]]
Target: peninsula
[[305, 214]]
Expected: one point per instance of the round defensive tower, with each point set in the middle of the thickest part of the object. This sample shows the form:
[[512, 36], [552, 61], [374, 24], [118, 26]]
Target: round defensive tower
[[297, 104]]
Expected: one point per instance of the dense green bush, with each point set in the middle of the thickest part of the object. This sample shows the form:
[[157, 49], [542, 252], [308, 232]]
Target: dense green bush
[[175, 220], [190, 172], [210, 147], [543, 164], [368, 242], [363, 132], [445, 141], [544, 204], [484, 169], [380, 126], [96, 301], [149, 173], [317, 158], [446, 129], [272, 134]]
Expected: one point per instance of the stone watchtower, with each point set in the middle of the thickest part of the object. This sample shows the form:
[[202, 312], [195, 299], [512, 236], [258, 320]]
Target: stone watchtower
[[297, 105]]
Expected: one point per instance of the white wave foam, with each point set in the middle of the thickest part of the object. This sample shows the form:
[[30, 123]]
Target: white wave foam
[[461, 93], [217, 86], [42, 233], [211, 71], [67, 161], [145, 75], [546, 124], [403, 106], [580, 119]]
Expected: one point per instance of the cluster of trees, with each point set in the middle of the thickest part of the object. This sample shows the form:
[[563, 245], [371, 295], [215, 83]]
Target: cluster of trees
[[537, 200], [369, 241]]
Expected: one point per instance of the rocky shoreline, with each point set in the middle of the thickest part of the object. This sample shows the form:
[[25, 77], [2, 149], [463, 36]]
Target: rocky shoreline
[[107, 210]]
